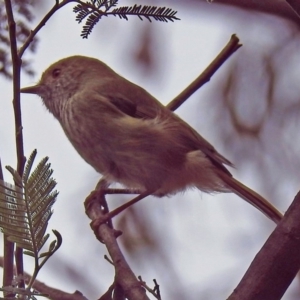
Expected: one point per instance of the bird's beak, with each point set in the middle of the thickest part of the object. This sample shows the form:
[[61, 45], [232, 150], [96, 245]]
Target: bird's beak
[[35, 89]]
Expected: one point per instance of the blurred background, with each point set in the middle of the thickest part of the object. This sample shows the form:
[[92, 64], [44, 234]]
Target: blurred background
[[196, 246]]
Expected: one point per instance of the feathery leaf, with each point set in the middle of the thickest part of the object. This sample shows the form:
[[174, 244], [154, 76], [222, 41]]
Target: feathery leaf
[[25, 209], [94, 10], [157, 13]]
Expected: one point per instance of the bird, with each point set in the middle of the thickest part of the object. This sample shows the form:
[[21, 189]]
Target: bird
[[130, 137]]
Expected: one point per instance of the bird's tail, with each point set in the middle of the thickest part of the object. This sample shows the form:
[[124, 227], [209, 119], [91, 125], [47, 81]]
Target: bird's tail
[[252, 197]]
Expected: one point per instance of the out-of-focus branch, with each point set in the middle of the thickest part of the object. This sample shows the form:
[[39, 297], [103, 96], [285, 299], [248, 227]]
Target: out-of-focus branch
[[277, 263], [53, 293], [277, 8], [295, 5], [206, 75]]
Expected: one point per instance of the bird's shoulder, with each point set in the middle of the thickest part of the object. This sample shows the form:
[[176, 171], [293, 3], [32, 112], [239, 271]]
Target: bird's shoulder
[[131, 100]]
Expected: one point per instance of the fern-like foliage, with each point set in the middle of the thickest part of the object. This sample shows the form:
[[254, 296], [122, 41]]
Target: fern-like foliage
[[26, 208], [94, 10], [157, 13]]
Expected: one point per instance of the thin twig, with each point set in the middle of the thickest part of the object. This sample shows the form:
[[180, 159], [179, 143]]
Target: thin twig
[[295, 5], [155, 292], [8, 253], [1, 172], [16, 63], [42, 23], [228, 50], [108, 259], [53, 293]]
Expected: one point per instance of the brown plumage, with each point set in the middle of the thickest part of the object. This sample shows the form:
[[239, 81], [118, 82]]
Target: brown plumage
[[130, 137]]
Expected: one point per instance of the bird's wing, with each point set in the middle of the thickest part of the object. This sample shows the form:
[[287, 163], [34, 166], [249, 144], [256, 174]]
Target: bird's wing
[[132, 108], [135, 101], [151, 109]]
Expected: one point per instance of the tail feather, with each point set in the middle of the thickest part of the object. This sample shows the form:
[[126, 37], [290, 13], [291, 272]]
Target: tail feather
[[252, 197]]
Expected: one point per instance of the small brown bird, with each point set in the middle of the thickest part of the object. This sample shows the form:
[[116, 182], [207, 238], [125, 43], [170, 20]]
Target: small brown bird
[[130, 137]]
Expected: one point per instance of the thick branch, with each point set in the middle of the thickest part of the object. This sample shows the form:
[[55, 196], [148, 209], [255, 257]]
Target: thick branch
[[277, 263]]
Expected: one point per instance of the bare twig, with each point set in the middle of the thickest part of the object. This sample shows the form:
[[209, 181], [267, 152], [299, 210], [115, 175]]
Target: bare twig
[[16, 89], [8, 252], [53, 293], [295, 5], [108, 259], [277, 263], [229, 49], [108, 294], [42, 23], [155, 291], [16, 63], [1, 172]]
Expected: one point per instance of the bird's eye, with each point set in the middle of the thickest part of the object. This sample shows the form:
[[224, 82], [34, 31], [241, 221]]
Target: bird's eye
[[55, 73]]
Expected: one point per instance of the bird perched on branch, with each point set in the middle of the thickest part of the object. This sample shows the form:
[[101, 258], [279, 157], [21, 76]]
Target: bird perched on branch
[[130, 137]]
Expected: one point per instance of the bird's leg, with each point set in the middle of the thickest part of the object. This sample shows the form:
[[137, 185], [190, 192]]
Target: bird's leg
[[102, 189], [96, 206], [109, 191], [98, 194], [99, 218], [96, 199], [119, 209]]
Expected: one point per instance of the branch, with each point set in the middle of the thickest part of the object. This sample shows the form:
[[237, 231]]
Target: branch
[[276, 8], [8, 252], [124, 277], [42, 23], [295, 5], [277, 263], [203, 78], [53, 293], [16, 62]]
